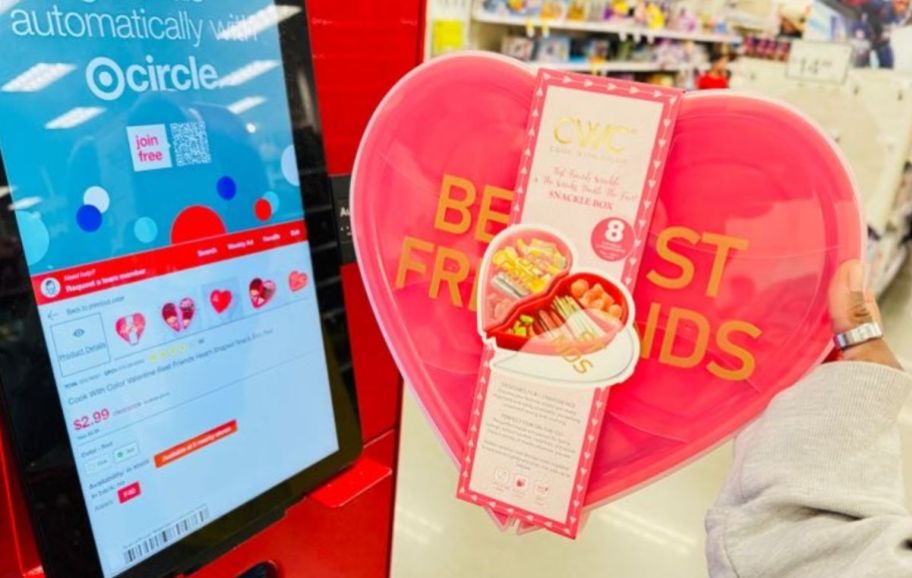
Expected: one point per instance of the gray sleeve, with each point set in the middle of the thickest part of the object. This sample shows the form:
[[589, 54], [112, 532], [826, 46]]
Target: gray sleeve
[[816, 489]]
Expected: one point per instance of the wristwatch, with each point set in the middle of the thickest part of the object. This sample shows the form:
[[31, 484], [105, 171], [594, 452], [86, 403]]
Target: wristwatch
[[861, 334]]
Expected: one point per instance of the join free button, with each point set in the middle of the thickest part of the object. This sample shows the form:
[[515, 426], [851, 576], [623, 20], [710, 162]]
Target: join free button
[[129, 493], [149, 147]]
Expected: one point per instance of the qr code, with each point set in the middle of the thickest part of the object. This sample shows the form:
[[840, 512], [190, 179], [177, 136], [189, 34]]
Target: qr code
[[191, 143]]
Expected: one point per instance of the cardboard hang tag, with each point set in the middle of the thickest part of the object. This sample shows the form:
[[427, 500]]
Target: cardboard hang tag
[[555, 309]]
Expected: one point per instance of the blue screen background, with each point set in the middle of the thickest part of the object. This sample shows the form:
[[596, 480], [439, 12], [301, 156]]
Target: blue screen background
[[50, 170]]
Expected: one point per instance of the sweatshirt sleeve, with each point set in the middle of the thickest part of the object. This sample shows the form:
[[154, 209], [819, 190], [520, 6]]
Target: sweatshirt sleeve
[[816, 489]]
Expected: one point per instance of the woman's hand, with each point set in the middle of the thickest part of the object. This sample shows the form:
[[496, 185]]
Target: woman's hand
[[852, 305]]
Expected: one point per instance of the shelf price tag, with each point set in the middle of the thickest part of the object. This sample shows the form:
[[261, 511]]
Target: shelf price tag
[[819, 61]]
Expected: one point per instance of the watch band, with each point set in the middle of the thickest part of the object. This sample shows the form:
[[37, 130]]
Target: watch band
[[861, 334]]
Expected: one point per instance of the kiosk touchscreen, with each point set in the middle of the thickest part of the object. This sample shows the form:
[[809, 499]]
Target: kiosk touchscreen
[[165, 377]]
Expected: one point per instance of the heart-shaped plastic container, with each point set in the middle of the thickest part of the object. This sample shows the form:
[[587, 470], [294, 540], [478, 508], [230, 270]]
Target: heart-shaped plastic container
[[739, 166]]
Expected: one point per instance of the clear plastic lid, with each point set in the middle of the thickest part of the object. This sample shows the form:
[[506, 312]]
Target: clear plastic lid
[[454, 126], [756, 207], [763, 207]]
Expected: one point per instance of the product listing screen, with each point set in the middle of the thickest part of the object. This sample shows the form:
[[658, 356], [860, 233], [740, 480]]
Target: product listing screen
[[148, 149]]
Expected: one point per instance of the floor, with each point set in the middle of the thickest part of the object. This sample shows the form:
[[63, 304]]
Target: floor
[[656, 532]]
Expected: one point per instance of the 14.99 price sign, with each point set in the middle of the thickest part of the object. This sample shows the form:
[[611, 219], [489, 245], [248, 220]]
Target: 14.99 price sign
[[819, 61]]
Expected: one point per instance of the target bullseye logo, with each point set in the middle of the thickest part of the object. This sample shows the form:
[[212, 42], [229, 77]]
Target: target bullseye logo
[[105, 78], [108, 80]]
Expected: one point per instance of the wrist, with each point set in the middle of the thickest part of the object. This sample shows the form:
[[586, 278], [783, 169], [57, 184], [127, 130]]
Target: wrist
[[875, 351]]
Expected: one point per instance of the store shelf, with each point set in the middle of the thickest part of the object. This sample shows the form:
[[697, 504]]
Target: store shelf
[[891, 271], [749, 22], [900, 216], [606, 67], [481, 15]]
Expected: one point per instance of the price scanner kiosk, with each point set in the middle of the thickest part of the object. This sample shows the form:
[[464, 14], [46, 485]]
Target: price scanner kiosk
[[191, 381]]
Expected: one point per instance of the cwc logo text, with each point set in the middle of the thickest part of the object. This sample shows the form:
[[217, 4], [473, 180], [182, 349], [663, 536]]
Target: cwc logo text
[[592, 135]]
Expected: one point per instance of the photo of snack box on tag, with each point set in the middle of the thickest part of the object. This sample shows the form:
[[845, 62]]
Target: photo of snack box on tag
[[728, 293], [565, 336], [556, 313]]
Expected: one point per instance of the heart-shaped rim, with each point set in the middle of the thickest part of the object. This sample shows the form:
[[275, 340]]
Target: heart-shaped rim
[[843, 239], [378, 155], [514, 84]]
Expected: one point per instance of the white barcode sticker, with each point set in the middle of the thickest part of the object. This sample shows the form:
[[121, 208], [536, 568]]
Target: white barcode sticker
[[166, 535]]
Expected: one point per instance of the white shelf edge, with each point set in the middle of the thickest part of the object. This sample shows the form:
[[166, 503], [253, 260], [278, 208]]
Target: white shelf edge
[[482, 15], [613, 67], [891, 271]]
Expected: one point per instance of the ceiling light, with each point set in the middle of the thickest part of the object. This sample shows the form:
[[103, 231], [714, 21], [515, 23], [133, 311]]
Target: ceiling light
[[257, 22], [24, 204], [38, 77], [74, 117], [247, 73], [246, 104], [7, 4]]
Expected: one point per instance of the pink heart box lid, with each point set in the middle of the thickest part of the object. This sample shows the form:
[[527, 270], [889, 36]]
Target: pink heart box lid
[[749, 168], [739, 166], [464, 115]]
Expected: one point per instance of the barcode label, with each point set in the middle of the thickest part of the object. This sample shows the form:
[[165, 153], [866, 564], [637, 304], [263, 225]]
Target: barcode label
[[170, 533]]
